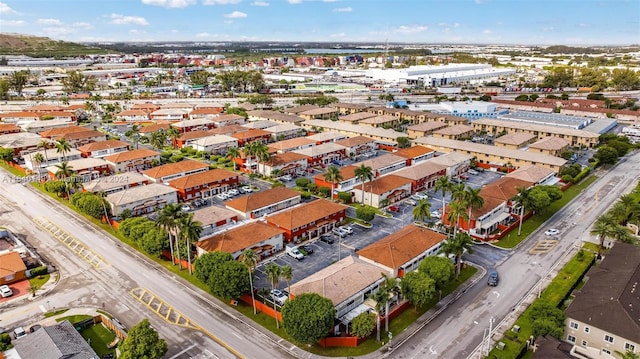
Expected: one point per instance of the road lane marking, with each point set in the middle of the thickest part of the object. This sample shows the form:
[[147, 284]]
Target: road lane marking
[[184, 351], [172, 316], [79, 248]]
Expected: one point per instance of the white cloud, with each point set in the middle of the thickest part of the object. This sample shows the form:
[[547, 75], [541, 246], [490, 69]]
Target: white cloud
[[12, 22], [478, 2], [456, 25], [220, 2], [50, 22], [236, 15], [206, 35], [338, 35], [414, 29], [294, 2], [119, 19], [136, 31], [260, 3], [174, 31], [170, 3], [82, 25], [343, 9], [6, 10], [58, 31], [487, 32]]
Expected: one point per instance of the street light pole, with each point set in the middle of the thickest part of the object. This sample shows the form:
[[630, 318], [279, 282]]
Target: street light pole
[[491, 320]]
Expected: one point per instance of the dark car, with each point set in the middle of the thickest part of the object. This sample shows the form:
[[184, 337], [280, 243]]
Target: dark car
[[493, 278], [326, 238], [307, 249]]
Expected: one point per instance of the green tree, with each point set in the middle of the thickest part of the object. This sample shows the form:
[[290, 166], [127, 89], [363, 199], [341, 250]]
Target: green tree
[[229, 280], [232, 154], [591, 77], [418, 288], [546, 320], [287, 275], [524, 200], [6, 154], [200, 77], [363, 173], [603, 227], [134, 134], [5, 86], [625, 79], [18, 80], [365, 213], [333, 176], [474, 201], [143, 342], [208, 263], [76, 82], [274, 273], [261, 99], [606, 155], [250, 259], [158, 139], [422, 211], [443, 184], [460, 244], [174, 134], [363, 324], [37, 159], [440, 269], [559, 77], [539, 200], [308, 317], [629, 354], [190, 230], [63, 146], [168, 221], [403, 142], [457, 211]]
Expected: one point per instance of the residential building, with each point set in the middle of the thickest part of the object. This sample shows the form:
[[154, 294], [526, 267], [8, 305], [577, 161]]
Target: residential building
[[147, 107], [205, 113], [6, 128], [171, 171], [384, 164], [553, 146], [115, 183], [12, 269], [515, 140], [216, 144], [347, 283], [40, 126], [261, 238], [85, 168], [296, 110], [261, 124], [289, 163], [323, 113], [285, 131], [415, 154], [356, 117], [456, 163], [386, 121], [308, 220], [423, 175], [132, 116], [492, 155], [379, 134], [19, 117], [228, 120], [204, 184], [213, 218], [169, 114], [292, 144], [534, 174], [323, 154], [602, 318], [103, 148], [146, 131], [575, 137], [328, 136], [200, 124], [425, 129], [455, 132], [142, 199], [251, 135], [401, 252], [274, 116], [349, 180], [43, 108], [51, 157], [390, 187], [256, 205], [57, 341], [358, 145], [345, 108], [21, 143], [132, 161], [59, 132]]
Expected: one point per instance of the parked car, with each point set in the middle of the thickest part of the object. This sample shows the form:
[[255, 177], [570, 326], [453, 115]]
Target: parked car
[[246, 189], [347, 229], [19, 332], [307, 249], [278, 296], [552, 232], [34, 328], [339, 232], [394, 208], [222, 196], [185, 208], [410, 202], [286, 178], [435, 214], [293, 252], [464, 177], [473, 172], [326, 238], [5, 291], [421, 195], [233, 192], [479, 169], [493, 278]]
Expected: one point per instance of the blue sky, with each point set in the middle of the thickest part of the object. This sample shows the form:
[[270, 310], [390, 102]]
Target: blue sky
[[543, 22]]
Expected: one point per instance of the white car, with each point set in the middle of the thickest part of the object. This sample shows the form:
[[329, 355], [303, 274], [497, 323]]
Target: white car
[[410, 202], [5, 291], [279, 296], [420, 195], [19, 332], [286, 178], [435, 214], [222, 196], [233, 192], [552, 232], [339, 232], [185, 208], [347, 229], [473, 172]]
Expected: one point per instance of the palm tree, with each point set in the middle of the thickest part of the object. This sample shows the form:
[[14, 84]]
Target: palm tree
[[64, 170], [134, 134], [422, 210], [63, 146], [189, 231], [174, 134], [103, 197], [364, 173], [474, 201], [390, 285], [622, 234], [457, 210], [250, 259], [458, 191], [158, 139], [167, 220], [523, 198], [261, 152], [457, 246], [379, 297], [274, 272], [287, 275], [444, 185], [44, 144], [232, 154], [37, 160], [603, 227], [629, 354], [334, 176]]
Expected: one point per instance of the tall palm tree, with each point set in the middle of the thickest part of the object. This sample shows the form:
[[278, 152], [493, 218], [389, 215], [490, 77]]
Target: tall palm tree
[[457, 246], [250, 260], [390, 285], [458, 191], [443, 184], [189, 231], [287, 275], [524, 200], [158, 139], [64, 170], [422, 210], [232, 154], [603, 227], [379, 297], [364, 173], [174, 134], [63, 146], [274, 272], [167, 220], [622, 234], [103, 196], [261, 152], [44, 144], [457, 210], [134, 134], [37, 160], [334, 176], [474, 201]]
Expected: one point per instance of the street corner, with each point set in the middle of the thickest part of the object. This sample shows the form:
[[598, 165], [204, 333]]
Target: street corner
[[20, 290]]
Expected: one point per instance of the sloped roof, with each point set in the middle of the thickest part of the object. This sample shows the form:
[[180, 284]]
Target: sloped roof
[[420, 170], [413, 151], [138, 193], [131, 155], [305, 214], [381, 161], [239, 238], [60, 340], [355, 141], [114, 181], [292, 143], [284, 158], [202, 178], [261, 199], [174, 168], [400, 247], [11, 264], [515, 138], [386, 183], [550, 143], [532, 173]]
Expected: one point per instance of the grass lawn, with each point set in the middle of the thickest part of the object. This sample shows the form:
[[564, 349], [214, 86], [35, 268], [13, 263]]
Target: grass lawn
[[12, 169], [51, 314], [39, 281], [99, 337], [561, 285], [531, 224], [74, 318]]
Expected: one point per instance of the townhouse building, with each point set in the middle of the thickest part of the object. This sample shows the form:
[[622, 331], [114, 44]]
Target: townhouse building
[[216, 144], [323, 113], [285, 131], [325, 137], [425, 129], [384, 164], [86, 169], [228, 120], [132, 116], [275, 116], [205, 113], [6, 128], [576, 138], [214, 219], [51, 157], [356, 117], [415, 154], [292, 144], [19, 117], [256, 205], [204, 184], [386, 121], [423, 176], [290, 163], [553, 146], [201, 124], [323, 154], [345, 108], [102, 149], [115, 183], [515, 140], [308, 220], [389, 187], [142, 199], [456, 132], [358, 146], [349, 180], [169, 114], [21, 143], [170, 171], [132, 161], [251, 135], [261, 238]]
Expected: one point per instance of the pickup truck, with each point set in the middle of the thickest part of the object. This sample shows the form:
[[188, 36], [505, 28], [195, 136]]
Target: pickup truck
[[293, 252]]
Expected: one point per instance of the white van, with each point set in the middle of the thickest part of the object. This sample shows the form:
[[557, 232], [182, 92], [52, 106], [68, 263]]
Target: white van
[[293, 252]]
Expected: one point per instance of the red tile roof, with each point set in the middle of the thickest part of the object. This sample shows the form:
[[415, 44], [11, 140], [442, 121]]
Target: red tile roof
[[102, 145], [309, 212], [174, 168], [131, 155], [202, 178]]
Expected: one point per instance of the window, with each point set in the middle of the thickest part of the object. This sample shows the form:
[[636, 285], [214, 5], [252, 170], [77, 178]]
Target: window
[[573, 325], [607, 351], [587, 329], [571, 338], [629, 347], [584, 343], [608, 338]]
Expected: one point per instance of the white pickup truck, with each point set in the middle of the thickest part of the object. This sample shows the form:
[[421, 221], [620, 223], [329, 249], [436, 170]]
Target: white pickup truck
[[293, 251]]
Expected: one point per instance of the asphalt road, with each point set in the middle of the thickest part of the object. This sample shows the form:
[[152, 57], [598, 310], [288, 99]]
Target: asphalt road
[[125, 271], [458, 330]]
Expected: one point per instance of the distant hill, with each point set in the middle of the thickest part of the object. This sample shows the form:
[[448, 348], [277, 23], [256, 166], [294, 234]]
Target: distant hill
[[17, 44]]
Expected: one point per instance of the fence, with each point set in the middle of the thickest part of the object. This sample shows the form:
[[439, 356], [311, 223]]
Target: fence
[[263, 307]]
